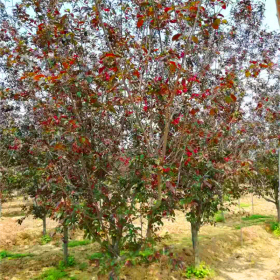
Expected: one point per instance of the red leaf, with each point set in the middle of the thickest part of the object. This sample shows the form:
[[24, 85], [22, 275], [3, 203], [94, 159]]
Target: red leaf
[[233, 97], [176, 37], [140, 22], [101, 69], [167, 9], [110, 55], [173, 66], [38, 77], [216, 23], [65, 65], [212, 112]]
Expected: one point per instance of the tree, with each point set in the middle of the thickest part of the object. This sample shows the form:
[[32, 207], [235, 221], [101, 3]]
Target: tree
[[122, 92]]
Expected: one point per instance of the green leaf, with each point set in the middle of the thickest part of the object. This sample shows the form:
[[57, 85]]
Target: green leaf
[[228, 99], [89, 79], [79, 94]]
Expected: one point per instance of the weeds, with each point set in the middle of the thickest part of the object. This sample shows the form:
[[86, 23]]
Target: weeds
[[9, 255], [45, 239], [244, 205], [275, 227], [83, 266], [70, 262], [219, 217], [53, 274], [256, 217], [75, 243], [198, 272], [254, 220]]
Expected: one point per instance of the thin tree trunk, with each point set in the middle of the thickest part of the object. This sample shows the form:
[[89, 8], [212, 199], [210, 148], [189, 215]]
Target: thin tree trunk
[[241, 231], [149, 228], [252, 204], [222, 203], [0, 205], [278, 212], [278, 193], [65, 244], [195, 229], [44, 225]]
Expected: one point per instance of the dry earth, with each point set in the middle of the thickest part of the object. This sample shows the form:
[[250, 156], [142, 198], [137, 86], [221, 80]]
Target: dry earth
[[234, 254]]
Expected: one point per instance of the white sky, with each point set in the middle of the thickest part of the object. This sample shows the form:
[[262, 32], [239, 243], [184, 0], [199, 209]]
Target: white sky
[[270, 15]]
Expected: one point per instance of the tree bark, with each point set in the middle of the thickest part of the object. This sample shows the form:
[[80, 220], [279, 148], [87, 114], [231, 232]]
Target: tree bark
[[278, 212], [149, 228], [0, 206], [278, 192], [44, 219], [65, 244], [195, 230]]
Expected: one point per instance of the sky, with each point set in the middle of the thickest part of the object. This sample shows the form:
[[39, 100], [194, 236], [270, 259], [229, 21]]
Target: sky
[[270, 15]]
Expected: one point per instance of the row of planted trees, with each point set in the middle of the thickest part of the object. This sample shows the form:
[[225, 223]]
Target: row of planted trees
[[129, 110]]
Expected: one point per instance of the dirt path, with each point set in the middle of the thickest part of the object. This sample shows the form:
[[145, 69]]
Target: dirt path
[[258, 258]]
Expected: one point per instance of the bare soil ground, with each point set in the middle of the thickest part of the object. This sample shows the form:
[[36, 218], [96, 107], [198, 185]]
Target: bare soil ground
[[249, 253]]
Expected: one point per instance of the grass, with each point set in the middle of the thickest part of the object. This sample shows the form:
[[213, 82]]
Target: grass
[[244, 205], [275, 228], [45, 239], [9, 255], [53, 274], [198, 272], [13, 214], [256, 217], [75, 243], [219, 218], [254, 220]]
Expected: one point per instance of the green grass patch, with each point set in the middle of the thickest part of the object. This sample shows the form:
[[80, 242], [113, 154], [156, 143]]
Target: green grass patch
[[275, 228], [96, 256], [9, 255], [70, 262], [53, 274], [257, 217], [45, 239], [254, 220], [219, 218], [198, 272], [83, 266], [244, 205], [75, 243]]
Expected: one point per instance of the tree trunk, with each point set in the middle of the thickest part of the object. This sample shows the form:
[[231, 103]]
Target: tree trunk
[[278, 212], [65, 244], [252, 204], [241, 231], [44, 225], [149, 229], [278, 192], [195, 230], [222, 203], [0, 206]]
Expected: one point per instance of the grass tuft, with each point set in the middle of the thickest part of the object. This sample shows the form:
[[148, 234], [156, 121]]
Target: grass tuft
[[201, 271], [219, 218], [256, 217], [244, 205], [75, 243], [53, 274], [9, 255]]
